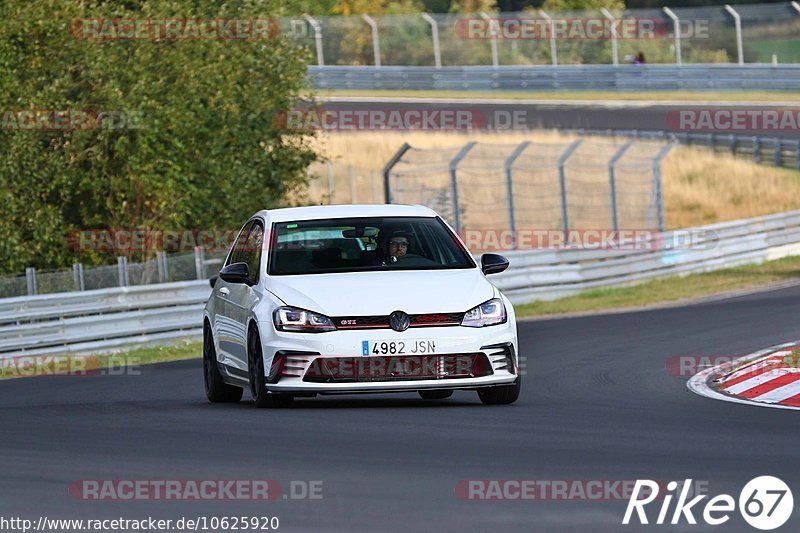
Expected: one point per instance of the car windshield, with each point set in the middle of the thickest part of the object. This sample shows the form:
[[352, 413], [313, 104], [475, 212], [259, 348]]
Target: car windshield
[[364, 244]]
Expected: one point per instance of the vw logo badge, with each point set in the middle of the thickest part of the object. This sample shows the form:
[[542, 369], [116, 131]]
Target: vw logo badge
[[399, 321]]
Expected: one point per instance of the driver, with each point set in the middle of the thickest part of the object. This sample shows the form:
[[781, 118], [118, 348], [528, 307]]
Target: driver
[[397, 246]]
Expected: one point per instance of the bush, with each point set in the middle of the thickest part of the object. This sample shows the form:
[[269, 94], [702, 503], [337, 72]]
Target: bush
[[204, 154]]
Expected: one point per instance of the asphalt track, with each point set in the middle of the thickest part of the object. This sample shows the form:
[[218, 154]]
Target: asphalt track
[[612, 115], [597, 404]]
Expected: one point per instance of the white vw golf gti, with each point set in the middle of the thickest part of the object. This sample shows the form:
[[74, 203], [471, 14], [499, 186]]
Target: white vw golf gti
[[353, 299]]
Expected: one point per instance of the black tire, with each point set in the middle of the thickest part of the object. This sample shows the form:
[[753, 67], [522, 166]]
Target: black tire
[[435, 394], [217, 391], [503, 395], [258, 382]]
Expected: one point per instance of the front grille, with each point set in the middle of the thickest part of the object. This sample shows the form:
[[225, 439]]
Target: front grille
[[397, 368], [427, 320]]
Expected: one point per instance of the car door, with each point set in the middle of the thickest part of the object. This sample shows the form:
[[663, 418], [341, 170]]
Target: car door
[[243, 297], [226, 328]]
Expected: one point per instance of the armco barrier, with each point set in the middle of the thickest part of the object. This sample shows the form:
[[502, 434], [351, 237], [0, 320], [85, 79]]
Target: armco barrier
[[106, 319], [701, 77], [102, 319]]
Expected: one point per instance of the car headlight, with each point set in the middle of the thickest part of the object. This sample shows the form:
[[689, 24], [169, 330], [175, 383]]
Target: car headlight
[[300, 320], [487, 314]]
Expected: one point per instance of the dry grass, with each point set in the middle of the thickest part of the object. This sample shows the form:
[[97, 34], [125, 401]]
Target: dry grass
[[700, 187]]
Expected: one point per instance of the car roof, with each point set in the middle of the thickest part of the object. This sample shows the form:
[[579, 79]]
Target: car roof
[[291, 214]]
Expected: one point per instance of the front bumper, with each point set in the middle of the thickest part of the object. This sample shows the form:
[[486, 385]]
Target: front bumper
[[290, 358]]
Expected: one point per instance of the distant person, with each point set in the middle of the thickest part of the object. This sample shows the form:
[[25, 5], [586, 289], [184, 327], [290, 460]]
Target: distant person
[[639, 59]]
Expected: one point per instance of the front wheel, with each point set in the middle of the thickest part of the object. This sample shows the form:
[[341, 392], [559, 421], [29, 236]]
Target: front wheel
[[502, 395], [258, 381], [217, 391]]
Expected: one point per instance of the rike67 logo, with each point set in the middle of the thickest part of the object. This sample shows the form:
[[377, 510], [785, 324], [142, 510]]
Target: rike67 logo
[[765, 503]]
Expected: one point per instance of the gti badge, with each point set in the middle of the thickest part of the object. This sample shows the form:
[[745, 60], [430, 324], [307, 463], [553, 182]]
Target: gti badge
[[399, 321]]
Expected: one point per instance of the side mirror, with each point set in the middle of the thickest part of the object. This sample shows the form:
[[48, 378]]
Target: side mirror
[[212, 281], [236, 273], [493, 263]]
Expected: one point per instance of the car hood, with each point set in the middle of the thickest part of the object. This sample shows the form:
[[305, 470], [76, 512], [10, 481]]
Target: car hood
[[380, 293]]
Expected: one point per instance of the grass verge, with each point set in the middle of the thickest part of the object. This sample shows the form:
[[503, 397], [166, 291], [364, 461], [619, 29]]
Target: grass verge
[[671, 289], [30, 365], [793, 359], [687, 96]]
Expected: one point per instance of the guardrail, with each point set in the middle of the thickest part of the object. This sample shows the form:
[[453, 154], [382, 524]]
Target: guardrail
[[549, 275], [777, 151], [107, 319], [696, 77], [101, 319]]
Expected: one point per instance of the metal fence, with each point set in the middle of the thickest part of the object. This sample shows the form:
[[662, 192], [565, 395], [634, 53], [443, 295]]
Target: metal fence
[[609, 182], [744, 33], [583, 183], [562, 77], [104, 319], [164, 268], [773, 151], [335, 183]]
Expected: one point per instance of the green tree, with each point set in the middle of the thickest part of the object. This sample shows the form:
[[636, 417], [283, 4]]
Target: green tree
[[206, 154]]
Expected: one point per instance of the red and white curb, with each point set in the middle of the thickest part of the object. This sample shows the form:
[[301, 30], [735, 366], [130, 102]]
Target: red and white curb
[[764, 378]]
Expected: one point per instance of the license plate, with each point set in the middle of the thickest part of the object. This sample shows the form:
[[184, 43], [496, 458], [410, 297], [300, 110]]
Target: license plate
[[405, 347]]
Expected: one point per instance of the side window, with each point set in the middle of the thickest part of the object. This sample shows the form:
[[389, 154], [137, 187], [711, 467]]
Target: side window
[[238, 249], [252, 252]]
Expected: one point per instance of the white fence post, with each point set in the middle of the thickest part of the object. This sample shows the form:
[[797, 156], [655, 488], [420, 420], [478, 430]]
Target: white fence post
[[122, 271], [437, 52], [614, 44], [317, 38], [77, 276], [676, 24], [376, 43], [737, 20], [551, 25], [492, 37], [30, 280], [199, 262], [163, 267]]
